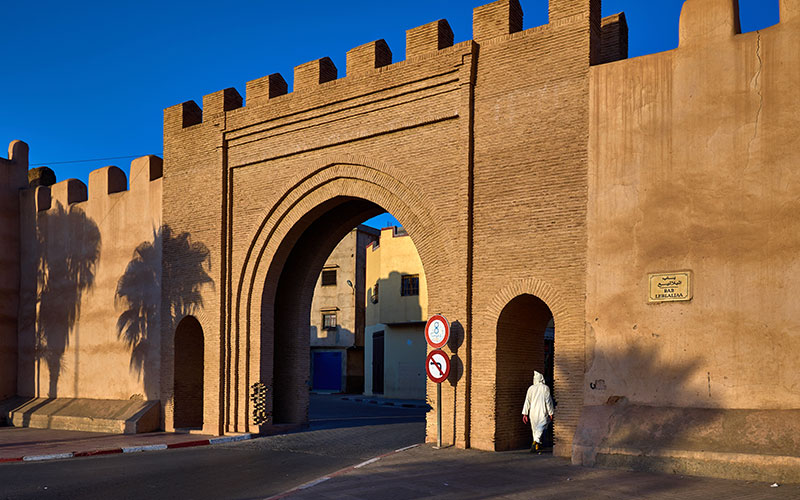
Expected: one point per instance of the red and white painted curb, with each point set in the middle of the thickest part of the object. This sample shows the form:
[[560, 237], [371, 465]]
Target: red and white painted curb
[[338, 473], [130, 449]]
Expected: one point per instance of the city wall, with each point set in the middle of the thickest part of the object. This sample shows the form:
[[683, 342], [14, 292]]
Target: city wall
[[13, 177], [91, 287], [693, 167]]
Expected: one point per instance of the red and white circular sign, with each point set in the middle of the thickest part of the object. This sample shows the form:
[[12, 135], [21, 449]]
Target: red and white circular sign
[[437, 331], [437, 365]]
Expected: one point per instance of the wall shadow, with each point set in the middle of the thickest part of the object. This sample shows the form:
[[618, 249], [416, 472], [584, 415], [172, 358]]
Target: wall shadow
[[618, 421], [389, 290], [68, 250], [139, 296], [186, 267], [403, 327]]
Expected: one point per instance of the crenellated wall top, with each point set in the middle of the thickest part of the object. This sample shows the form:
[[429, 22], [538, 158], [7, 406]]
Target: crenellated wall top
[[490, 23], [104, 184]]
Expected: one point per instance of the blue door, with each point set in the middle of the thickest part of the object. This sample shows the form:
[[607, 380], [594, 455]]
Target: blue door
[[328, 371]]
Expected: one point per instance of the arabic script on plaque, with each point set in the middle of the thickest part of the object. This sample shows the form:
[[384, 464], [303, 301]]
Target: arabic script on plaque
[[670, 287]]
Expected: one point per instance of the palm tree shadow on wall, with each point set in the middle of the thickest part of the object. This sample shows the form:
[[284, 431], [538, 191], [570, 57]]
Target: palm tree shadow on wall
[[139, 290], [614, 421], [65, 271]]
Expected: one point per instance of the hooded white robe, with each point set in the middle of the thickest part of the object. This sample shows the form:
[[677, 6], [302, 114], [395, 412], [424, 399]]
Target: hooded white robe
[[538, 406]]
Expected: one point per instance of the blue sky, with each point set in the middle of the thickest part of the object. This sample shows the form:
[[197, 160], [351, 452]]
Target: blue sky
[[89, 80]]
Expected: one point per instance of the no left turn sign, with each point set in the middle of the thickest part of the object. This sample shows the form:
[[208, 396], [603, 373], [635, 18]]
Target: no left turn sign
[[438, 366]]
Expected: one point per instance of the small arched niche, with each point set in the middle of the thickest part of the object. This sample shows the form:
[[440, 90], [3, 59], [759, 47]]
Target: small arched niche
[[188, 382]]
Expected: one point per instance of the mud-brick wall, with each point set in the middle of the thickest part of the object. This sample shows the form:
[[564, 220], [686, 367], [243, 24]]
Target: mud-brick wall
[[195, 184], [694, 158], [89, 313], [13, 177], [530, 192]]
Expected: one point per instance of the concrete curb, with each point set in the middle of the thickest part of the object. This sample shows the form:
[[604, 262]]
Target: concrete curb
[[130, 449], [338, 473]]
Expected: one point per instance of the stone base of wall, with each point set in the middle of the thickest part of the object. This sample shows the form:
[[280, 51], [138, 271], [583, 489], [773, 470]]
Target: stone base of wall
[[742, 444], [743, 466], [90, 415]]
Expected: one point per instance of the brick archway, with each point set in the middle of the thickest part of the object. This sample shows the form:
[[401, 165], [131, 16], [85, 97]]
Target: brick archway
[[327, 201], [569, 354], [520, 350]]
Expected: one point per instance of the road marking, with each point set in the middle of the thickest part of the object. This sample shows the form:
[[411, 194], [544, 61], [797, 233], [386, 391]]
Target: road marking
[[47, 457], [149, 447], [230, 439], [420, 417], [130, 449], [313, 483], [338, 473], [370, 461], [406, 448], [188, 444]]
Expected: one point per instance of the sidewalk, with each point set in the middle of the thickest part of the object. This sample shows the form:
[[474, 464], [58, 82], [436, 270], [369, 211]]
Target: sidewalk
[[27, 444], [423, 472]]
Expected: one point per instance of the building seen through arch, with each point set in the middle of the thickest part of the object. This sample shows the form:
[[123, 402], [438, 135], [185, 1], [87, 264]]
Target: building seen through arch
[[337, 316], [396, 312]]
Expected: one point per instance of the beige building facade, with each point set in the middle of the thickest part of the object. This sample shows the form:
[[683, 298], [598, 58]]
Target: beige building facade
[[337, 316], [396, 312], [575, 178]]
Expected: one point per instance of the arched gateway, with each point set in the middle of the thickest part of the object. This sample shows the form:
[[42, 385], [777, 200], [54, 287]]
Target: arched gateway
[[286, 255], [447, 143]]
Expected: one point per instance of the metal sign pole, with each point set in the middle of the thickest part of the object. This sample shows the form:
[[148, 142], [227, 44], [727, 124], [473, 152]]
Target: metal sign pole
[[437, 364], [438, 415]]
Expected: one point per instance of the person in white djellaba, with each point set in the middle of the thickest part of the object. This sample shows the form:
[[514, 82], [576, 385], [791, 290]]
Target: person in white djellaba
[[538, 408]]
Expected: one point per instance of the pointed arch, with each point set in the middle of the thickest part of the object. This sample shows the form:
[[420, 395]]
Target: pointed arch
[[359, 189]]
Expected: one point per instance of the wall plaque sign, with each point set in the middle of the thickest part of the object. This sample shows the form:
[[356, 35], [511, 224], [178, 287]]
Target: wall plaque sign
[[670, 287]]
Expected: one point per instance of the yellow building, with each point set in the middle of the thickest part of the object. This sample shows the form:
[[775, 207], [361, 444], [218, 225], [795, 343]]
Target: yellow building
[[396, 311]]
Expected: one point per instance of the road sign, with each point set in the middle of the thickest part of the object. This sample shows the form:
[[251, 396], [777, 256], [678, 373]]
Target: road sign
[[438, 366], [437, 331]]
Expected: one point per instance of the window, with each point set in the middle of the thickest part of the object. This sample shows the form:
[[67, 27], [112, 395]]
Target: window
[[329, 277], [329, 320], [374, 297], [410, 285]]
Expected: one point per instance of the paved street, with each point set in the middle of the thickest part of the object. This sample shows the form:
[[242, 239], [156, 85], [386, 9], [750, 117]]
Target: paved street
[[423, 472], [343, 433]]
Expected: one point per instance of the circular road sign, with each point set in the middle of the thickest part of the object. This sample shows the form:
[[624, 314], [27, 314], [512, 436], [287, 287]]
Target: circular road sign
[[437, 331], [438, 366]]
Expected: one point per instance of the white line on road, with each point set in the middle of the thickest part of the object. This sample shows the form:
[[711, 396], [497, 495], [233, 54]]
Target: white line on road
[[390, 417], [370, 461], [406, 448], [314, 483], [338, 473]]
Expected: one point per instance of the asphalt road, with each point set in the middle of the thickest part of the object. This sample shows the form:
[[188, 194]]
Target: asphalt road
[[342, 433]]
